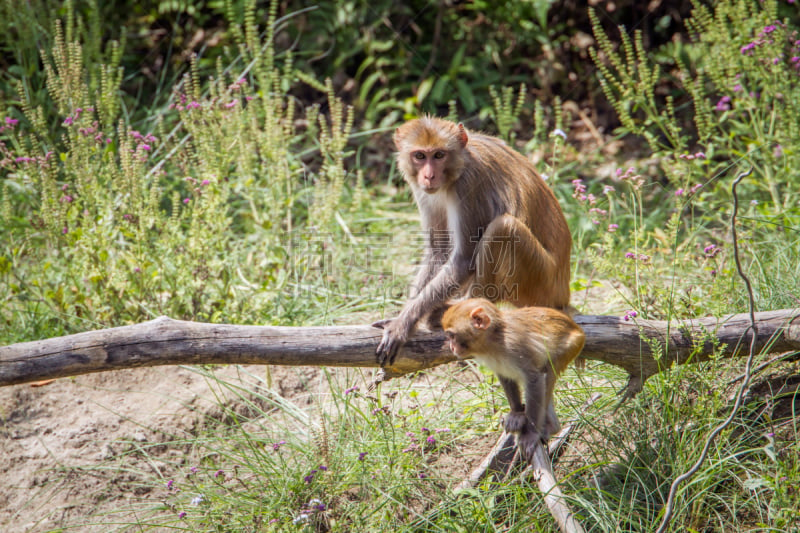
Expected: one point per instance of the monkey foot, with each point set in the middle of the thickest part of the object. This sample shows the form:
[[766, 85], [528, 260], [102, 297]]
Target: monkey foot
[[527, 441]]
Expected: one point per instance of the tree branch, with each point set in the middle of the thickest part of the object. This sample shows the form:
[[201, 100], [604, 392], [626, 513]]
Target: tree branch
[[165, 341]]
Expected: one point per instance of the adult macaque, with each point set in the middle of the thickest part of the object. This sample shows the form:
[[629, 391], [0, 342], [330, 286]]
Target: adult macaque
[[527, 348], [494, 228]]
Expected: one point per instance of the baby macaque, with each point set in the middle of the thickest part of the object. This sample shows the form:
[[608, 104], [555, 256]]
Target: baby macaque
[[527, 347]]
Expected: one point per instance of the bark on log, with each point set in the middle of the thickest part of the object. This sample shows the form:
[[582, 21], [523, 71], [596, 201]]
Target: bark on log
[[164, 341]]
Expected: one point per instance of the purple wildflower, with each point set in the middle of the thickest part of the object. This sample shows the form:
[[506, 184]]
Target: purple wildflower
[[630, 315], [724, 104], [748, 48]]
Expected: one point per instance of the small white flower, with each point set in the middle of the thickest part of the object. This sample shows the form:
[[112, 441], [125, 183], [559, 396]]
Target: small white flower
[[197, 500], [302, 518], [559, 132]]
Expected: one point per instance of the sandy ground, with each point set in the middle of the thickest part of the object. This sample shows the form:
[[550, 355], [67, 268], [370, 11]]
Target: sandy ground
[[60, 443], [64, 446]]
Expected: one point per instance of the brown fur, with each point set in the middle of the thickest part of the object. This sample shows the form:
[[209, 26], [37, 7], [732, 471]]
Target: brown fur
[[494, 227], [528, 348]]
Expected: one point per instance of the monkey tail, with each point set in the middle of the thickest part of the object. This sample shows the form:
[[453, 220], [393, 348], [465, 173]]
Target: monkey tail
[[579, 362]]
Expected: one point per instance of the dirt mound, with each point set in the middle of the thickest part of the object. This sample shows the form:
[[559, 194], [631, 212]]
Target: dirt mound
[[63, 445]]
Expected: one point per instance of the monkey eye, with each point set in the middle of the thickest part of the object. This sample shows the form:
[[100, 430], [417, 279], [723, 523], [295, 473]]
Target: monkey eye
[[439, 155], [419, 155]]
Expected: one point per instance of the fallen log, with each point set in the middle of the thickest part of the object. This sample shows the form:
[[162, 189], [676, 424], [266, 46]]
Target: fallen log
[[164, 341]]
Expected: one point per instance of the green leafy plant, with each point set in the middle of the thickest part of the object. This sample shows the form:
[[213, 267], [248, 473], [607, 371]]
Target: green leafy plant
[[108, 224]]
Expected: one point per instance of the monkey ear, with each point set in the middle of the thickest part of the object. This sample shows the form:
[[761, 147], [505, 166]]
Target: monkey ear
[[398, 138], [462, 135], [480, 320]]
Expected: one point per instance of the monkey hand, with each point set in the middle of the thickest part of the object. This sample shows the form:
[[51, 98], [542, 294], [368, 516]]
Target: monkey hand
[[515, 422], [393, 338]]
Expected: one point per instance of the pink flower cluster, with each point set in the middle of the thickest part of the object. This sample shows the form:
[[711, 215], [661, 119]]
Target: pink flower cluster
[[143, 144], [630, 175], [711, 250], [580, 192], [430, 440], [641, 257], [70, 120], [765, 37], [10, 124], [185, 104], [692, 157], [9, 160], [198, 190]]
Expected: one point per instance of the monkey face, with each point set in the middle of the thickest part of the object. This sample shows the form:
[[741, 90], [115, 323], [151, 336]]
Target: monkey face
[[459, 346], [430, 168]]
